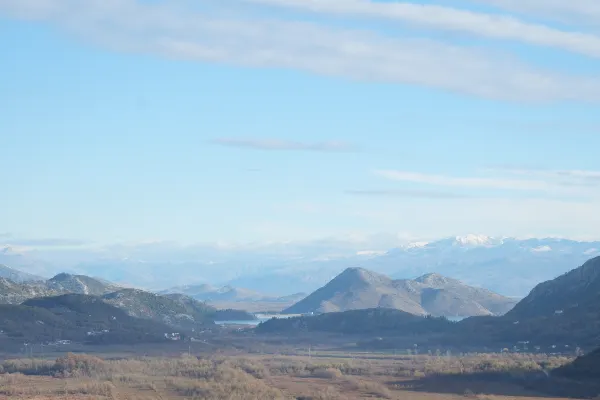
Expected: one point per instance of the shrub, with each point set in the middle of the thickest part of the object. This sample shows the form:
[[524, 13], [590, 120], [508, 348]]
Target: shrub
[[79, 365], [371, 387], [327, 373]]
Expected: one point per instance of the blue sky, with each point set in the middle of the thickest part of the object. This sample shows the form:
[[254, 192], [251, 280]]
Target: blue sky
[[267, 120]]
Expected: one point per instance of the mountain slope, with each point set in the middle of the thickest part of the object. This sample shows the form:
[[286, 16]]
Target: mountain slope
[[76, 317], [80, 284], [16, 293], [563, 312], [358, 288], [18, 276], [583, 368], [565, 294], [182, 312], [179, 311]]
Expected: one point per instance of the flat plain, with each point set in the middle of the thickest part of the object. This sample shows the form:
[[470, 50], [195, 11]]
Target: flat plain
[[248, 376]]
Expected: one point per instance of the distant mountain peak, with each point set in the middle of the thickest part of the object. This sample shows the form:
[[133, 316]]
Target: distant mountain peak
[[361, 275], [476, 240], [416, 245], [61, 277], [81, 284], [358, 288], [469, 240], [434, 280]]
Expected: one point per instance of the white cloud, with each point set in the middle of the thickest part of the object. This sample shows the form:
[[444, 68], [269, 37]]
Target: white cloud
[[417, 194], [453, 19], [565, 184], [443, 180], [169, 29], [567, 178], [542, 249], [575, 11]]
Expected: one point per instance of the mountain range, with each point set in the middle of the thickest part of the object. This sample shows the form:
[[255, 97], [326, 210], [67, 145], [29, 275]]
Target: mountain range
[[508, 266], [176, 311], [561, 312], [558, 315], [430, 294]]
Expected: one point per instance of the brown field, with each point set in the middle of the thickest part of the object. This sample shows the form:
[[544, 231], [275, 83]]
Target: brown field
[[263, 377]]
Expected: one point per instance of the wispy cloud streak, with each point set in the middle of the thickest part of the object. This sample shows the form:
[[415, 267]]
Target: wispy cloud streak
[[416, 194], [455, 20], [465, 182], [572, 177], [577, 12], [177, 30]]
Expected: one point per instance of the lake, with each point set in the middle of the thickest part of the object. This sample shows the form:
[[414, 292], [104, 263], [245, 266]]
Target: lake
[[260, 318]]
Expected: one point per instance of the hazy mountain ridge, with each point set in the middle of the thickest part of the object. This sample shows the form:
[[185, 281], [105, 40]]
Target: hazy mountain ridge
[[18, 276], [209, 293], [176, 311], [507, 266], [511, 267], [431, 294]]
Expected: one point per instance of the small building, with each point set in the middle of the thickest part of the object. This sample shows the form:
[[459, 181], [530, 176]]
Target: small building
[[173, 336]]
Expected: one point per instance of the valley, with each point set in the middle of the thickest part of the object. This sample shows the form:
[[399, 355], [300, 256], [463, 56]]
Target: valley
[[361, 335]]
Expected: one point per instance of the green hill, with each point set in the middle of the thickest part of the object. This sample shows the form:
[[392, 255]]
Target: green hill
[[79, 318], [370, 321], [175, 310]]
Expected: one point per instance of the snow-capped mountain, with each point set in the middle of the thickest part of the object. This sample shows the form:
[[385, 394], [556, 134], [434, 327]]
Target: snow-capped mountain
[[508, 266]]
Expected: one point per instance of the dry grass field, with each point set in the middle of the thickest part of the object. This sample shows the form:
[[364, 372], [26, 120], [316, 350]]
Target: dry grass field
[[265, 377]]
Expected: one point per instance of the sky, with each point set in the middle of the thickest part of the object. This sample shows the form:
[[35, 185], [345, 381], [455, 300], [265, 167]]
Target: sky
[[288, 120]]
